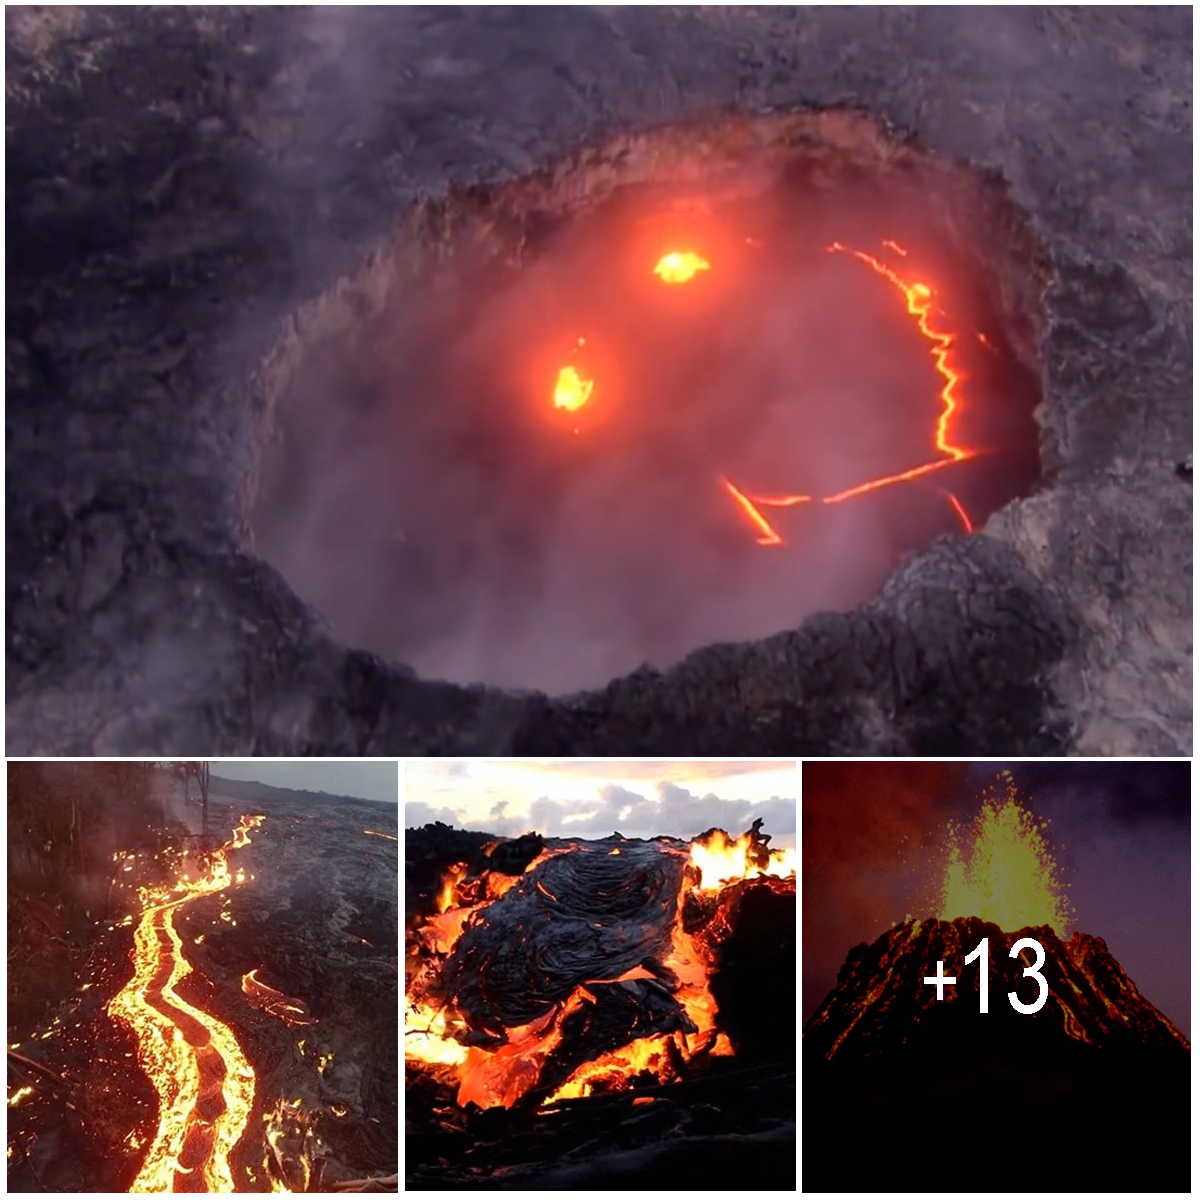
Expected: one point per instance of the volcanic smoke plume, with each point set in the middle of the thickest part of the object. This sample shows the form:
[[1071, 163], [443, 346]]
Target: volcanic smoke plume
[[556, 987], [1089, 1092]]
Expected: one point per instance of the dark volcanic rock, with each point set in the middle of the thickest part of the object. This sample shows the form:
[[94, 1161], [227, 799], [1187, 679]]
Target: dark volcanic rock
[[1098, 1068], [579, 916], [181, 181]]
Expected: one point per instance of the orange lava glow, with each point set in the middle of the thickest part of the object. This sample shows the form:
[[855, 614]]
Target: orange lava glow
[[724, 860], [571, 392], [391, 837], [193, 1060], [918, 299], [680, 266], [956, 504], [500, 1076], [264, 997], [766, 531]]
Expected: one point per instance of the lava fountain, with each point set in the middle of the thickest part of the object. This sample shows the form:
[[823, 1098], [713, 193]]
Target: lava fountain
[[1008, 874]]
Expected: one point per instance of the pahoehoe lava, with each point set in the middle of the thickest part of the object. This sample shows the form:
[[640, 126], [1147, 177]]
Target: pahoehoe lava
[[182, 184]]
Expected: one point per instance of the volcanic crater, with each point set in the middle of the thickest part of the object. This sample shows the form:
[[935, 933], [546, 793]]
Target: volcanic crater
[[286, 471], [760, 433]]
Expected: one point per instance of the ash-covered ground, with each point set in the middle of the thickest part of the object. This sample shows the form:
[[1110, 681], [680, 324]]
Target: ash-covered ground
[[318, 922], [181, 182]]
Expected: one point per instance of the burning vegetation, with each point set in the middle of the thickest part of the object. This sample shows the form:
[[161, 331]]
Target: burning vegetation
[[691, 387], [544, 974], [160, 1073]]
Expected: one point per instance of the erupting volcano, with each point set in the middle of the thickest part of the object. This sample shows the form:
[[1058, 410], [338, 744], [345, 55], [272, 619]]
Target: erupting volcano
[[545, 974], [1044, 1049]]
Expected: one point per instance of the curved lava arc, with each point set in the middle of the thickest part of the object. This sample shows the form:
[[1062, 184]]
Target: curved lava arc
[[918, 299], [572, 392], [204, 1082]]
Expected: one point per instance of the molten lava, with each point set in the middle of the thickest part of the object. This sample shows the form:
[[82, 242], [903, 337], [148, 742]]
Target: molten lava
[[680, 266], [193, 1060], [498, 1072], [723, 861], [265, 998], [919, 299], [1007, 875], [391, 837], [571, 392]]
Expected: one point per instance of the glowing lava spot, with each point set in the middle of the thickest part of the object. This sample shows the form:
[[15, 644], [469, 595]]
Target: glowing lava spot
[[766, 531], [1007, 874], [571, 392], [680, 266]]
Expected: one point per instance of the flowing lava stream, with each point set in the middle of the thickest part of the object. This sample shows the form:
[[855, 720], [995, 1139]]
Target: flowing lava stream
[[205, 1083]]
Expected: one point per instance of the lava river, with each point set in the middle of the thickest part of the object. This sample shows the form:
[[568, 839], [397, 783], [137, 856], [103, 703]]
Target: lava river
[[204, 1082]]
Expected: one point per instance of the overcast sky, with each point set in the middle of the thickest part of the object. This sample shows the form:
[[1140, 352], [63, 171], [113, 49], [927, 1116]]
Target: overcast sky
[[595, 798], [366, 780]]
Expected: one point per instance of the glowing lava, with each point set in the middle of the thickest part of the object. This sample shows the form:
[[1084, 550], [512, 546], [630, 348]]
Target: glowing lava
[[680, 266], [723, 860], [766, 532], [571, 392], [1009, 876], [391, 837], [264, 997], [918, 299], [501, 1075], [193, 1060]]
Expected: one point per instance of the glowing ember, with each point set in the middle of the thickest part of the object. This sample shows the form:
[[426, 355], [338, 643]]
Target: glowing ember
[[190, 1057], [680, 266], [571, 392], [1008, 876], [16, 1097]]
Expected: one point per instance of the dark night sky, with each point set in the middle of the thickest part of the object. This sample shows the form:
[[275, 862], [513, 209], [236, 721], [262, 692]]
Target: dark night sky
[[1125, 829]]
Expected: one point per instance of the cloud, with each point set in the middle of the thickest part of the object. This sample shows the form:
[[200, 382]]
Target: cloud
[[417, 813], [668, 809]]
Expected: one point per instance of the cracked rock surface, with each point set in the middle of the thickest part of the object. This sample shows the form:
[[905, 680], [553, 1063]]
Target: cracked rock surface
[[181, 181]]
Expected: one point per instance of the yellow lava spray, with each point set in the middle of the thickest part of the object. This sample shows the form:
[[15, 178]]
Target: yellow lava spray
[[1008, 875]]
